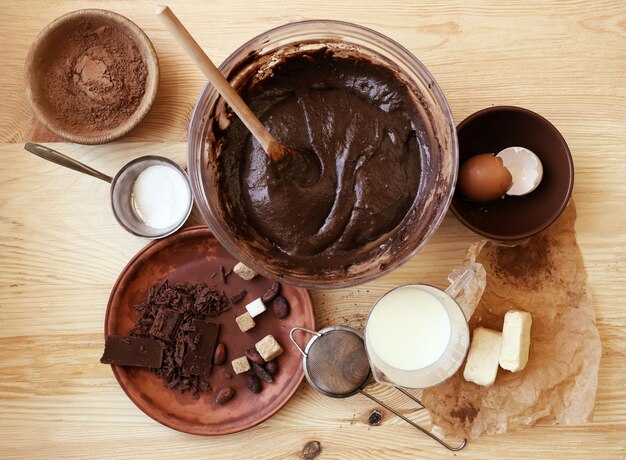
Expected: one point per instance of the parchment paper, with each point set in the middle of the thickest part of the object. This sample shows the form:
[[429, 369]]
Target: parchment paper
[[546, 277]]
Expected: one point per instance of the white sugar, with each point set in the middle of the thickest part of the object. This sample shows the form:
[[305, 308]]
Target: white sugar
[[161, 196]]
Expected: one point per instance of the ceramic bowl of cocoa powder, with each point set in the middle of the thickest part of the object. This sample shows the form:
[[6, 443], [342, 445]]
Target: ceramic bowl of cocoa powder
[[91, 76]]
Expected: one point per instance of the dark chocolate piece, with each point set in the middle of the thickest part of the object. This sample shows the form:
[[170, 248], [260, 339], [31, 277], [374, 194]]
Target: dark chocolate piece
[[199, 358], [165, 324], [193, 301], [132, 351], [237, 297]]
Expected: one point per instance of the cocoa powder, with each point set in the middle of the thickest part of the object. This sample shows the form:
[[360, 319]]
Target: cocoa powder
[[95, 79], [525, 265]]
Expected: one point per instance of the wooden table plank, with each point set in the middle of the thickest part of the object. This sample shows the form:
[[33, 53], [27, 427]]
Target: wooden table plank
[[61, 250]]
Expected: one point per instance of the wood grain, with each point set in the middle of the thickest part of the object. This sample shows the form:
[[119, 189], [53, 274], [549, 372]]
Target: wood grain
[[61, 250]]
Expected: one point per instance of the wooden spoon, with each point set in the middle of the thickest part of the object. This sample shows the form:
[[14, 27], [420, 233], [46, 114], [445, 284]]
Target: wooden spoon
[[271, 146]]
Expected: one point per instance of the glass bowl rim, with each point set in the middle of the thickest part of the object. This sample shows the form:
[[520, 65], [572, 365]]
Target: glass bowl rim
[[453, 149]]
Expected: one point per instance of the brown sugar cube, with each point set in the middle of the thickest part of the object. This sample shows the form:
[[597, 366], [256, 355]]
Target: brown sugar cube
[[241, 365], [245, 322], [268, 348], [244, 271]]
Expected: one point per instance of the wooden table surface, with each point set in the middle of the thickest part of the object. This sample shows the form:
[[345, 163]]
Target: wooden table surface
[[61, 249]]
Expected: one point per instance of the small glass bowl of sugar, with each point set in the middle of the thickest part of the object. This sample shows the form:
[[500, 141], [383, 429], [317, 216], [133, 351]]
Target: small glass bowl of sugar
[[151, 197]]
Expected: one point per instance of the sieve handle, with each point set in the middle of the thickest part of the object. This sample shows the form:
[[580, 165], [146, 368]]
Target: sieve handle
[[303, 329], [411, 422]]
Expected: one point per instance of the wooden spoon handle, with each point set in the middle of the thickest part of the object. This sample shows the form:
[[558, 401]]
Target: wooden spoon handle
[[191, 47]]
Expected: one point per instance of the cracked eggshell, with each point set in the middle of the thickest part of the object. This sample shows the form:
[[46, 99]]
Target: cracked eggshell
[[525, 167]]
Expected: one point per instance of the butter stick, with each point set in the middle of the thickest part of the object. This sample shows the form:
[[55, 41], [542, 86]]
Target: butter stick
[[515, 340], [482, 360]]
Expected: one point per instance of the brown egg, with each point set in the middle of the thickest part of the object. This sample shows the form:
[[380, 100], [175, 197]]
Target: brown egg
[[484, 178]]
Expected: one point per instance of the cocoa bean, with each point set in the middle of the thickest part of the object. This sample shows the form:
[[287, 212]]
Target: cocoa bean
[[262, 373], [254, 356], [271, 292], [311, 450], [281, 307], [224, 395], [271, 367], [253, 383], [219, 356], [375, 418]]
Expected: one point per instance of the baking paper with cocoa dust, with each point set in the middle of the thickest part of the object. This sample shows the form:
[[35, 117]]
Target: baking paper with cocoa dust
[[547, 278]]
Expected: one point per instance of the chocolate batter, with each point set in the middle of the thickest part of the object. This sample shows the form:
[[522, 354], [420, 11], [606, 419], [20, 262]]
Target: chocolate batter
[[363, 135]]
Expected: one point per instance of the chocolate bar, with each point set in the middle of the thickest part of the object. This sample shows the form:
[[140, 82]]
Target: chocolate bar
[[198, 361], [132, 351], [165, 324]]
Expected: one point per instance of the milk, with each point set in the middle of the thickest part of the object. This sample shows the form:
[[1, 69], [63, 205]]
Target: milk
[[408, 329]]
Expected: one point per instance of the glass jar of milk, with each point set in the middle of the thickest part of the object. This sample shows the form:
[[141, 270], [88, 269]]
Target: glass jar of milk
[[416, 335]]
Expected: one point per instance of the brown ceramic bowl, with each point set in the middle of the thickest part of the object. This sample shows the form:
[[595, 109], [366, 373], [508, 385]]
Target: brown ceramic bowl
[[515, 218], [54, 37]]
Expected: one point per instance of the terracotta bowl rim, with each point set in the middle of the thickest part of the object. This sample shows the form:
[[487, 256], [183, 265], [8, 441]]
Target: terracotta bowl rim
[[146, 48]]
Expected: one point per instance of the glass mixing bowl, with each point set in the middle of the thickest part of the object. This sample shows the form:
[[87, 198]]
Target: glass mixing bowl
[[439, 163]]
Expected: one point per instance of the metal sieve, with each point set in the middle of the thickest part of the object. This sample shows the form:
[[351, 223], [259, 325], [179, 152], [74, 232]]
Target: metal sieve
[[335, 363]]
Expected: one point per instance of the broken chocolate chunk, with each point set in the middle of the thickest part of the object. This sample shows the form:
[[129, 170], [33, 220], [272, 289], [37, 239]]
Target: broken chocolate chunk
[[165, 324], [194, 301], [237, 297], [132, 351], [201, 345]]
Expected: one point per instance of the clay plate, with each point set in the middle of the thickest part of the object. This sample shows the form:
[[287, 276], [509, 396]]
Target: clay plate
[[194, 255]]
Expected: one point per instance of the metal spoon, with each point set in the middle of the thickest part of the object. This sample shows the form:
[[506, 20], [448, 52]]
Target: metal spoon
[[121, 188]]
